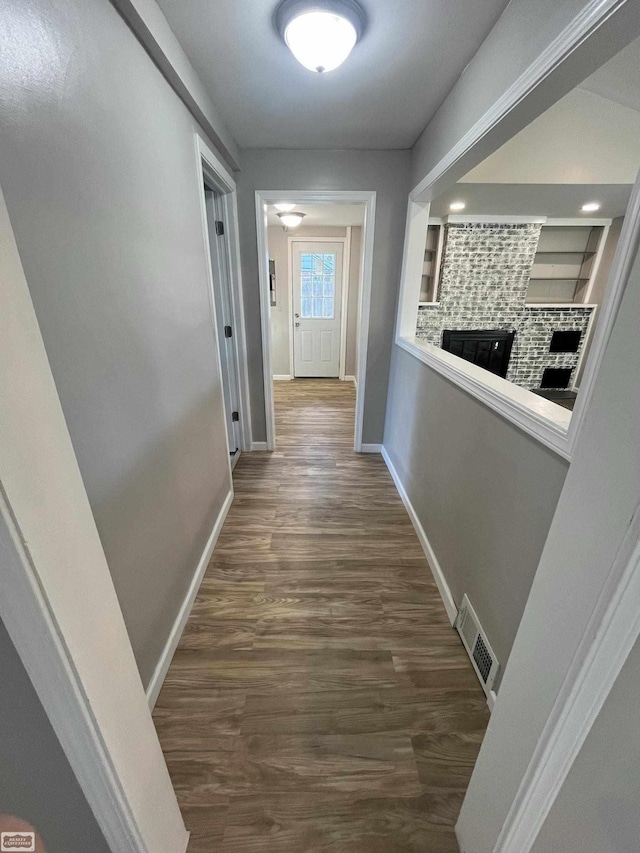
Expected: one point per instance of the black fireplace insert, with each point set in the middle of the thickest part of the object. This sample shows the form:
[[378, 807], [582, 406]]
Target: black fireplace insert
[[488, 348]]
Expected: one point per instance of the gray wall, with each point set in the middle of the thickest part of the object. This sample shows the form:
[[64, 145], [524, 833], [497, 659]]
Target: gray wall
[[484, 491], [384, 171], [36, 780], [597, 807], [97, 165], [589, 530], [278, 240]]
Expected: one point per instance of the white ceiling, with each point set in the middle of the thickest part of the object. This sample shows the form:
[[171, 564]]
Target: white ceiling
[[586, 147], [591, 136], [411, 54], [553, 200], [323, 215]]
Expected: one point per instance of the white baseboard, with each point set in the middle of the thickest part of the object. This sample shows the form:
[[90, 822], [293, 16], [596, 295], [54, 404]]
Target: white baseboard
[[181, 620], [282, 377], [351, 379], [436, 569], [259, 445], [371, 448]]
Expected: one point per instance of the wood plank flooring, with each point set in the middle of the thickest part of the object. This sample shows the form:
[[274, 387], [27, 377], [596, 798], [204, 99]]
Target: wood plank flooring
[[319, 700]]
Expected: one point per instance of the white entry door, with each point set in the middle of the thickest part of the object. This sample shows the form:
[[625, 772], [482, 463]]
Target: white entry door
[[317, 308]]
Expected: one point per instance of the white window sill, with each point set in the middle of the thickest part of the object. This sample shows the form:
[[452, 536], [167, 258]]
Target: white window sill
[[544, 420]]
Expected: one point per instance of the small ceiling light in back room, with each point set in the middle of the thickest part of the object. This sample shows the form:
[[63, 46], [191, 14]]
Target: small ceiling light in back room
[[320, 33], [457, 205], [590, 207], [284, 206], [291, 220]]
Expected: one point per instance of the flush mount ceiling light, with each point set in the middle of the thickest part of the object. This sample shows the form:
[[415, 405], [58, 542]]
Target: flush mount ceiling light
[[590, 207], [457, 205], [320, 33], [291, 220], [284, 206]]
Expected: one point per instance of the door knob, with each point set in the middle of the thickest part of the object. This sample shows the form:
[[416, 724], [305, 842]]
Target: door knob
[[297, 324]]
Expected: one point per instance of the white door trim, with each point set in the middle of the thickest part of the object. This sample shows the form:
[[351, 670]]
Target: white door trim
[[58, 602], [347, 284], [291, 239], [368, 199], [209, 166], [612, 631]]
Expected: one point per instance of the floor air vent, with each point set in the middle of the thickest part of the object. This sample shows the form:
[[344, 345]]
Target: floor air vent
[[476, 643]]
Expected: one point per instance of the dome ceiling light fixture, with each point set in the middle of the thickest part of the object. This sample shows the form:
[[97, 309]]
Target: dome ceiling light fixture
[[320, 33], [284, 206], [291, 220]]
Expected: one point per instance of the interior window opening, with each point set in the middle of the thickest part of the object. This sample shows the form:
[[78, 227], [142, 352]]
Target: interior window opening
[[518, 252]]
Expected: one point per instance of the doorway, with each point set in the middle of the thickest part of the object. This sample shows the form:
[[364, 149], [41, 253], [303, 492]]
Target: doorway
[[315, 286], [222, 295], [220, 229]]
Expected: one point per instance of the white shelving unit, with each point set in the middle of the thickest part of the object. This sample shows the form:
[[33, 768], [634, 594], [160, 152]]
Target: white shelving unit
[[565, 263], [431, 264]]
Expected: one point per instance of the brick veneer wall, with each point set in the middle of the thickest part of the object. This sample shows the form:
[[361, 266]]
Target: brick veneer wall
[[484, 279]]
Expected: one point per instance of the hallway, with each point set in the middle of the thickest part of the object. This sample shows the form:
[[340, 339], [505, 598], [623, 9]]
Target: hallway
[[319, 699]]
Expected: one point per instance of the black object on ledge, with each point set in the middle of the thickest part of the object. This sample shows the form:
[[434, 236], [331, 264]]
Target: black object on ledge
[[488, 348]]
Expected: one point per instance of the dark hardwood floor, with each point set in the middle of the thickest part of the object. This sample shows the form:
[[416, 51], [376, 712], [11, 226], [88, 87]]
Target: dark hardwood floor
[[319, 699]]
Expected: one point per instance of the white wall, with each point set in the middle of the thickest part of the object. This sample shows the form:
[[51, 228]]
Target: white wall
[[278, 242], [583, 139]]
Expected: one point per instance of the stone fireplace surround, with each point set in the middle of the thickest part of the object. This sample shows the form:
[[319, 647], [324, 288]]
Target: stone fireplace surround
[[483, 285]]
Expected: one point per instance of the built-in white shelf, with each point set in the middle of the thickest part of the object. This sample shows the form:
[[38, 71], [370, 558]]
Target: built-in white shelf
[[431, 264], [564, 263], [561, 306]]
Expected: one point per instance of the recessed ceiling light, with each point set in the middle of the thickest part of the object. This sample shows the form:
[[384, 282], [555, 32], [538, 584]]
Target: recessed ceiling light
[[291, 220], [591, 206], [320, 33], [284, 206], [457, 205]]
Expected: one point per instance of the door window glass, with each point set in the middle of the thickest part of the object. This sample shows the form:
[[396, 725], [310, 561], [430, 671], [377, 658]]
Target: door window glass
[[318, 285]]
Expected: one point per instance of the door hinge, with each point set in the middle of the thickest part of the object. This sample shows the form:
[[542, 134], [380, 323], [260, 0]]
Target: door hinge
[[219, 228], [235, 416], [228, 332]]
